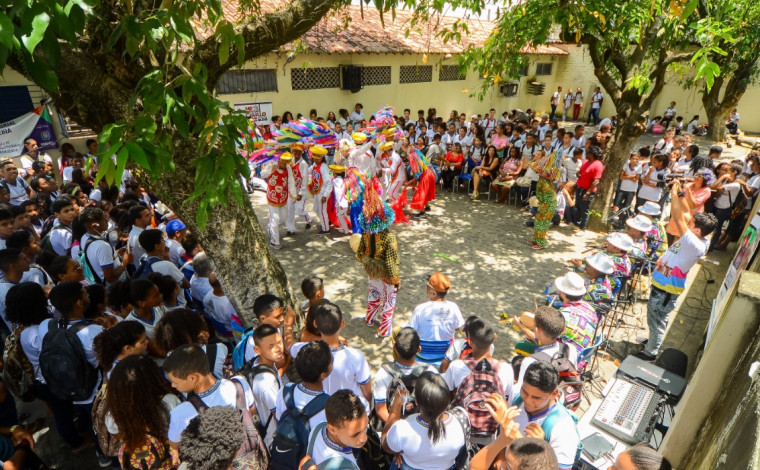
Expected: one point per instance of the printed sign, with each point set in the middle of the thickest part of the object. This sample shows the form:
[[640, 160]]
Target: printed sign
[[258, 111], [35, 124]]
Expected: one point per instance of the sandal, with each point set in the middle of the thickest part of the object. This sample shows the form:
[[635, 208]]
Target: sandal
[[538, 247]]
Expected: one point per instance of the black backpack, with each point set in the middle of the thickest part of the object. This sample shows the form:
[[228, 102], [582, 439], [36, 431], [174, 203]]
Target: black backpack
[[46, 245], [570, 381], [291, 439], [398, 378], [63, 363], [146, 267], [249, 371]]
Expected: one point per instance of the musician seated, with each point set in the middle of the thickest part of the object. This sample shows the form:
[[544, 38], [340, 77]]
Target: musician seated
[[598, 287], [617, 247], [638, 227]]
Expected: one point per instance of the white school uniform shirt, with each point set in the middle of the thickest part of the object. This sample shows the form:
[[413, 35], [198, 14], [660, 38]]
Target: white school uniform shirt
[[86, 335], [488, 124], [222, 393], [134, 245], [448, 139], [26, 161], [542, 130], [579, 142], [175, 251], [670, 112], [458, 372], [436, 321], [99, 254], [326, 449], [753, 182], [61, 239], [569, 99], [663, 146], [383, 380], [564, 438], [555, 98], [356, 117], [350, 371], [265, 387], [31, 343], [167, 268], [579, 97], [596, 100], [302, 396], [605, 121], [727, 196], [628, 185], [221, 355], [199, 287], [150, 325], [647, 192], [219, 308], [456, 348], [17, 191], [410, 436]]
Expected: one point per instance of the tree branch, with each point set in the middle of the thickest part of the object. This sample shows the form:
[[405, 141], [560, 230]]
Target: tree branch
[[596, 51], [265, 34]]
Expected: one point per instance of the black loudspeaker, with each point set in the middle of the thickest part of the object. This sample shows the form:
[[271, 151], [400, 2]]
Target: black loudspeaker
[[351, 78]]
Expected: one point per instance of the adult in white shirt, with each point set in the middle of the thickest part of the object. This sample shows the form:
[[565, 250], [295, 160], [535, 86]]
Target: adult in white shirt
[[432, 438], [199, 283], [464, 140], [669, 115], [200, 385], [357, 115], [32, 154], [538, 399], [436, 321], [568, 103], [596, 106], [139, 217], [18, 190], [217, 306]]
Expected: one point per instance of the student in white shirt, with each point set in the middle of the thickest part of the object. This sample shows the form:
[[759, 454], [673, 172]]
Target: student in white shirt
[[436, 321], [539, 406], [345, 430], [188, 370], [568, 103], [175, 232], [432, 438], [181, 326], [651, 182], [146, 300], [156, 259], [350, 368], [728, 190], [406, 345], [139, 217], [101, 258], [357, 115], [489, 122], [670, 114], [118, 342], [596, 105], [264, 379], [629, 182], [579, 140]]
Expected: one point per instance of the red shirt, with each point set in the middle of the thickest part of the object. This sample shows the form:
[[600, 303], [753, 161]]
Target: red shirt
[[456, 160], [588, 173]]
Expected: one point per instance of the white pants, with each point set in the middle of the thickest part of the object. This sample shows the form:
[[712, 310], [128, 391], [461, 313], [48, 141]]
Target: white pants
[[394, 191], [276, 216], [343, 220], [321, 210], [296, 208]]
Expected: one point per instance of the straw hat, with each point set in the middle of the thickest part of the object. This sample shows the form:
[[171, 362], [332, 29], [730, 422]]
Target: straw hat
[[601, 263], [338, 168], [286, 157], [318, 150], [386, 146], [359, 137], [296, 146]]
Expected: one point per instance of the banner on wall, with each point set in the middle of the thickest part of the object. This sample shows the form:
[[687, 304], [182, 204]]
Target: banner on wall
[[746, 249], [258, 111], [35, 124]]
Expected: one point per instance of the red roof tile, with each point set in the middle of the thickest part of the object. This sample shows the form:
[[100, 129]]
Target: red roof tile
[[366, 34]]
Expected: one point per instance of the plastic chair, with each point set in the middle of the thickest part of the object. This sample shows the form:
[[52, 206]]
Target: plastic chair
[[465, 174]]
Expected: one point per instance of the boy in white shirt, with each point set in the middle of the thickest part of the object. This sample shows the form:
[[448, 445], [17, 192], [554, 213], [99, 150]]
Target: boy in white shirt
[[436, 321], [156, 256], [345, 430], [188, 370], [264, 379], [629, 182], [357, 115], [350, 368]]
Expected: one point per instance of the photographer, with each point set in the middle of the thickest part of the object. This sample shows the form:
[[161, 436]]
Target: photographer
[[695, 195], [653, 181], [728, 191]]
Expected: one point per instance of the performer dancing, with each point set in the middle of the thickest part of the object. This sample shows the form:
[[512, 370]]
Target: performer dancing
[[297, 189], [378, 253], [423, 180], [340, 201], [548, 169], [393, 170], [277, 197], [320, 186]]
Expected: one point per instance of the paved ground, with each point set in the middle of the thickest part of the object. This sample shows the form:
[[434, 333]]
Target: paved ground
[[495, 272]]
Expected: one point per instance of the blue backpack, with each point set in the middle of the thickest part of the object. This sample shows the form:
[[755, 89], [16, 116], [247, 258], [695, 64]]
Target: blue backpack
[[552, 419], [291, 438], [146, 267], [238, 353]]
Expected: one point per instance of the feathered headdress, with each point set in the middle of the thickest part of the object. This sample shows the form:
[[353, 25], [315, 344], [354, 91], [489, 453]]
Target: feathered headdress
[[376, 214], [418, 163]]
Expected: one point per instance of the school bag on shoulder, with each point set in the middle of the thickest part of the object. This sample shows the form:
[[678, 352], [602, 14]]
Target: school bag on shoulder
[[63, 362], [291, 438], [146, 267], [154, 454], [46, 246], [570, 381], [471, 394], [18, 372], [108, 443], [252, 454], [397, 379], [335, 463], [238, 353], [462, 461], [84, 262], [249, 372]]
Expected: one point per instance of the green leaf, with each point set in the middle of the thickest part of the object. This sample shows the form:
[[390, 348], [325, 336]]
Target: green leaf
[[43, 75], [137, 155], [121, 162], [6, 31], [689, 9], [51, 48], [40, 23]]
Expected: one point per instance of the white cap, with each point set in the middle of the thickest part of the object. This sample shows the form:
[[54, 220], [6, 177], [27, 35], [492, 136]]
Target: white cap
[[620, 240], [571, 284]]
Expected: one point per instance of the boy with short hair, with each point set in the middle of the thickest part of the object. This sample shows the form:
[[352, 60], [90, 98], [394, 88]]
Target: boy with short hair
[[345, 430], [156, 254], [264, 379], [32, 209], [350, 368], [13, 264], [436, 321], [28, 245], [406, 345], [60, 238], [6, 226], [313, 289], [188, 370], [270, 309]]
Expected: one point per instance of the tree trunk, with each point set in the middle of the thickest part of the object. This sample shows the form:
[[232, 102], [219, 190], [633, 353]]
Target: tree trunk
[[618, 151], [718, 109], [717, 129], [232, 237]]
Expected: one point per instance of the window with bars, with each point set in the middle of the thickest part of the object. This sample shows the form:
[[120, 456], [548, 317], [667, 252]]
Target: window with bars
[[247, 81], [314, 78], [544, 69], [380, 75], [416, 74], [448, 73]]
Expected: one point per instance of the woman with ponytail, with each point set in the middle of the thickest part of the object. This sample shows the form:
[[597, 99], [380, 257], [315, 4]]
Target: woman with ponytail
[[431, 439]]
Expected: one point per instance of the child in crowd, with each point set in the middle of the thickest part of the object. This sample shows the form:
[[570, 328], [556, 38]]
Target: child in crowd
[[629, 180], [436, 321], [345, 431], [271, 310], [264, 379]]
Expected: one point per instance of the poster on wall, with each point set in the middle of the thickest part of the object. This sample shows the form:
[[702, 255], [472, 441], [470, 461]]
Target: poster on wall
[[747, 246], [35, 124], [259, 111]]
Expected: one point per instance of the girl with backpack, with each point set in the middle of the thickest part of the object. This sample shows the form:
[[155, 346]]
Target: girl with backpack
[[183, 326], [148, 310], [139, 401], [432, 439]]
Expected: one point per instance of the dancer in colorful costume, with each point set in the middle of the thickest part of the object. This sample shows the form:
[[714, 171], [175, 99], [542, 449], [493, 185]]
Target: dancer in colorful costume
[[378, 253], [320, 186], [548, 168], [423, 180], [277, 197], [393, 170], [298, 189], [339, 201]]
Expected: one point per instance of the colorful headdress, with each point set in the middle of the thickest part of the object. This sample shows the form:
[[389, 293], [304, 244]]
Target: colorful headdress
[[418, 163], [292, 136], [337, 169], [376, 214], [286, 157], [386, 146]]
